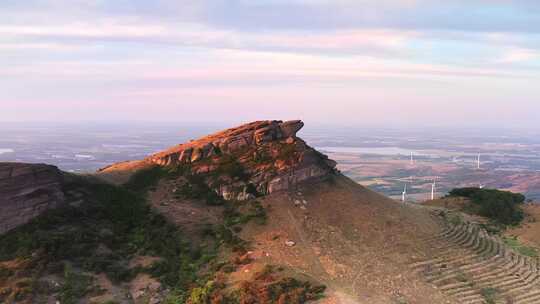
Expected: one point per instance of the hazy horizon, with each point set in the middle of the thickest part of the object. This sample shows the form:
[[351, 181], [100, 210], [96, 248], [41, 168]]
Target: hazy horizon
[[214, 126], [403, 63]]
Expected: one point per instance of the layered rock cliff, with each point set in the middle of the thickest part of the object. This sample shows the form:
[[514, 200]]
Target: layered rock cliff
[[27, 190], [256, 158], [266, 156]]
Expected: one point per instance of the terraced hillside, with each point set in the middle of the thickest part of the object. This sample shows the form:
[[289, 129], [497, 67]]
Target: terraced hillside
[[472, 266]]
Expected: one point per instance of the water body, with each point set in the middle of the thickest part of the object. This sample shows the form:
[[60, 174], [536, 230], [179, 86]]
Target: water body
[[84, 156], [364, 150]]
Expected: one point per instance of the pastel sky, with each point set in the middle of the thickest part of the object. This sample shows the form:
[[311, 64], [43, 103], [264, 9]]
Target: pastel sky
[[364, 62]]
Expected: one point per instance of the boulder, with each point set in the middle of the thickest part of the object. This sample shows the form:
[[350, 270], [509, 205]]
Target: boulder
[[185, 155], [26, 191], [265, 134], [290, 128], [197, 155], [290, 243]]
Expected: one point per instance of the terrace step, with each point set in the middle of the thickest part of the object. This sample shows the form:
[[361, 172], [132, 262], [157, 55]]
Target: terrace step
[[466, 260]]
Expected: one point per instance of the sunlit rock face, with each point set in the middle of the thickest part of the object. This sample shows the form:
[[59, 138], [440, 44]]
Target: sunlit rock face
[[27, 190], [266, 156]]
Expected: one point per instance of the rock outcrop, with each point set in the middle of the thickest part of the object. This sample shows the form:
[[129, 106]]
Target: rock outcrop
[[27, 190], [260, 157]]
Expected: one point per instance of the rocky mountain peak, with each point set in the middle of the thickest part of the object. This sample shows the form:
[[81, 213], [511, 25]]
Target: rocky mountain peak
[[259, 157], [229, 141]]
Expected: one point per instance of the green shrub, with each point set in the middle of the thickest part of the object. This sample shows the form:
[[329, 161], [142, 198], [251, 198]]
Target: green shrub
[[232, 168], [75, 286], [258, 213], [175, 297], [261, 157], [514, 243], [201, 295], [233, 216], [501, 206], [251, 189], [464, 192], [144, 179], [490, 294], [196, 188], [266, 288], [5, 273], [455, 219]]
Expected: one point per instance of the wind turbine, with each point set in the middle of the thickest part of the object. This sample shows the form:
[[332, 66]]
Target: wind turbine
[[433, 190], [404, 193], [412, 159], [478, 162]]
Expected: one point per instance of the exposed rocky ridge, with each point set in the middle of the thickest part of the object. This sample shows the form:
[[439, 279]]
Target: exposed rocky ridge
[[229, 141], [259, 157], [27, 190]]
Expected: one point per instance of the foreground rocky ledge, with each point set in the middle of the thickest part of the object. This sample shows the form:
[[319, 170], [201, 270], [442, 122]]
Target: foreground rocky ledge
[[26, 191]]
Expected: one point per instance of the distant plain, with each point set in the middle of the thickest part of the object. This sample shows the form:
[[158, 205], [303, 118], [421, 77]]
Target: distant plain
[[379, 158]]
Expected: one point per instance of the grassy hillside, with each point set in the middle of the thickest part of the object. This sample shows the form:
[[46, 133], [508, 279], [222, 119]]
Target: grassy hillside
[[85, 252]]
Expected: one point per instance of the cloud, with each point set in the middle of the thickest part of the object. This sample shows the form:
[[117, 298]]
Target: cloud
[[223, 68], [455, 15], [80, 30], [389, 28], [372, 42], [517, 55], [270, 15], [17, 47]]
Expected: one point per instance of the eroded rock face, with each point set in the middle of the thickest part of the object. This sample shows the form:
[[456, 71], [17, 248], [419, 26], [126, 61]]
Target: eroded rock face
[[263, 155], [27, 190]]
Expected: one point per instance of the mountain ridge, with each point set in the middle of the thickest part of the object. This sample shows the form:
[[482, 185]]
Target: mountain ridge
[[266, 156]]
